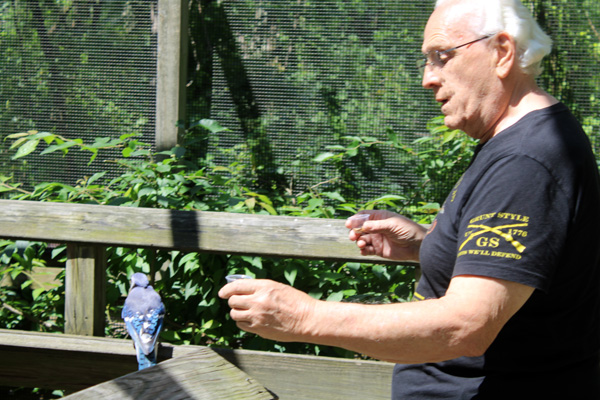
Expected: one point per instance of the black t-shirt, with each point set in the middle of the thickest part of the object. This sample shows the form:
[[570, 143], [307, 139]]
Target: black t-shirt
[[527, 210]]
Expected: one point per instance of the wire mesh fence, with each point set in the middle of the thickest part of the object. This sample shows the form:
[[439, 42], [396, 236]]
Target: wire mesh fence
[[80, 69], [290, 78]]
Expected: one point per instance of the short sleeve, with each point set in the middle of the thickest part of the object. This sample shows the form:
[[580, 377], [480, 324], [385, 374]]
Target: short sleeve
[[514, 224]]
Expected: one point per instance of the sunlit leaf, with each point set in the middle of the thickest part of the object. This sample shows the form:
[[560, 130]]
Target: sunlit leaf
[[290, 273], [212, 125], [337, 296], [323, 156], [28, 148], [64, 146]]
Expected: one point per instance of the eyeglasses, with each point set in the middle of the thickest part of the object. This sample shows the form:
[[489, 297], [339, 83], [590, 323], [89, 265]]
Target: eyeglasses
[[440, 58]]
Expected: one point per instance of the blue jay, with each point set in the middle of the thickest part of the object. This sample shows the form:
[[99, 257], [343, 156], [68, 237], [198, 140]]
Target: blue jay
[[143, 314]]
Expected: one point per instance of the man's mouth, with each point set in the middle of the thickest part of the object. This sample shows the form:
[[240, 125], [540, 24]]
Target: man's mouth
[[442, 103]]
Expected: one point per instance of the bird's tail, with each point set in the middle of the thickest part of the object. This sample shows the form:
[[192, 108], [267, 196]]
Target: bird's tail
[[147, 360]]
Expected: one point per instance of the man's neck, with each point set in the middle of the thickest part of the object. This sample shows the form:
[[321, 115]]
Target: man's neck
[[526, 97]]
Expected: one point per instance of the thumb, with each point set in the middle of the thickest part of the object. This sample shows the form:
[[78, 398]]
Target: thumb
[[377, 226]]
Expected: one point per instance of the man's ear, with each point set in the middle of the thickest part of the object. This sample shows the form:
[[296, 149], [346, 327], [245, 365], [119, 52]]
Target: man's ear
[[506, 51]]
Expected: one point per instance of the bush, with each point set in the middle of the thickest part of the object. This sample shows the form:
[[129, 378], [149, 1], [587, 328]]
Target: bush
[[189, 282]]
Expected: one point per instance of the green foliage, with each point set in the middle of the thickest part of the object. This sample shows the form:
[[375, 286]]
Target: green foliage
[[188, 282], [439, 159], [29, 303]]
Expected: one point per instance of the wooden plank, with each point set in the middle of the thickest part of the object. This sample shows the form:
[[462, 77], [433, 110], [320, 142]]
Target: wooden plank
[[85, 290], [278, 236], [303, 377], [200, 375], [57, 361], [171, 71]]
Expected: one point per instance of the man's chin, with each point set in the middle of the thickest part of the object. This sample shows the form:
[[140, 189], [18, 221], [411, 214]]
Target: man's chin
[[450, 122]]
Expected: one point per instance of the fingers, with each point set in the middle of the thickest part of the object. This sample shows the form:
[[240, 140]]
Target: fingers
[[353, 235], [238, 295], [368, 245], [239, 287], [379, 226]]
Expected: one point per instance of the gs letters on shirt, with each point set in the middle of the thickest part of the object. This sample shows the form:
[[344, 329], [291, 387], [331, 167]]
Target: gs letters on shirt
[[496, 234]]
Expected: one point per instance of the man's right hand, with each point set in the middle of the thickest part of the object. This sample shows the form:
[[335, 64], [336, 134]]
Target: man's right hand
[[389, 235]]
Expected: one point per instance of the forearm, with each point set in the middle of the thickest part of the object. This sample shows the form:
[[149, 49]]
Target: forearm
[[413, 332], [462, 323]]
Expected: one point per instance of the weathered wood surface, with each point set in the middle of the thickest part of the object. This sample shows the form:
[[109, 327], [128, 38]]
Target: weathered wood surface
[[56, 361], [231, 233], [85, 282], [199, 375], [172, 22], [71, 362], [302, 377]]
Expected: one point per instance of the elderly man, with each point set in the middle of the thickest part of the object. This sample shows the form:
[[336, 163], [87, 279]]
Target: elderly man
[[510, 288]]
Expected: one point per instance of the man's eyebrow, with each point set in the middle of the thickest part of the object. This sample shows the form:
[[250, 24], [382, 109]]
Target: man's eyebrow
[[437, 45], [434, 48]]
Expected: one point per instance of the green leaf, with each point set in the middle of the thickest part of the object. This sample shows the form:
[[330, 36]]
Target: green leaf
[[268, 208], [21, 135], [352, 152], [290, 273], [103, 142], [26, 149], [26, 284], [254, 261], [140, 152], [323, 156], [212, 125], [315, 203], [336, 147], [64, 146], [170, 336], [95, 177], [93, 156], [127, 152], [163, 168], [58, 250], [389, 197], [333, 196], [393, 137], [209, 324], [190, 289], [37, 292], [353, 138], [250, 203], [336, 296]]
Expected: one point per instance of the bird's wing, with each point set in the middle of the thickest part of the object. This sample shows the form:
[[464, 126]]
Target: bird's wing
[[133, 323], [143, 314], [151, 327]]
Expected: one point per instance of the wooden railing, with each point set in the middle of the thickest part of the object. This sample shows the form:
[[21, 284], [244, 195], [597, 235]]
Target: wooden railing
[[89, 229]]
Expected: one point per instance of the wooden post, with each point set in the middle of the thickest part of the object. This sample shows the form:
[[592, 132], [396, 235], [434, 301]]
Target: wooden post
[[85, 290], [171, 71]]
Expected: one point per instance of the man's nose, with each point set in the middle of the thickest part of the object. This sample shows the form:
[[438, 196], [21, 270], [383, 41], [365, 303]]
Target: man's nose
[[430, 78]]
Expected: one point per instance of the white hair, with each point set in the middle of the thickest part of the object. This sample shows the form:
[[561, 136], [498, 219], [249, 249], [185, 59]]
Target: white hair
[[512, 17]]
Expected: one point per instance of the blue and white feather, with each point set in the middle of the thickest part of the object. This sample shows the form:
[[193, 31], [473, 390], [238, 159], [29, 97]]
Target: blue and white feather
[[143, 314]]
